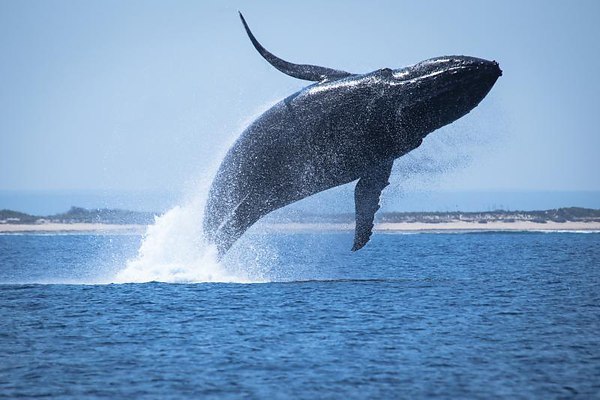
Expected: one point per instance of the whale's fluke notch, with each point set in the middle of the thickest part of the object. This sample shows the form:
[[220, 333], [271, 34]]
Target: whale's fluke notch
[[300, 71], [366, 201]]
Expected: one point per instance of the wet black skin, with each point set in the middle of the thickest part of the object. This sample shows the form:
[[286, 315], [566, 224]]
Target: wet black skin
[[337, 131]]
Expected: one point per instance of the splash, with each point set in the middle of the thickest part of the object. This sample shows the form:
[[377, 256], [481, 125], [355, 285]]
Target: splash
[[174, 251]]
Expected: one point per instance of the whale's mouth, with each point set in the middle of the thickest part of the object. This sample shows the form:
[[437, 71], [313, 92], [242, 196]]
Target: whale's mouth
[[444, 90]]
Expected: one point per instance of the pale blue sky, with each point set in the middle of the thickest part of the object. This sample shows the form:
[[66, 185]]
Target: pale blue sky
[[147, 95]]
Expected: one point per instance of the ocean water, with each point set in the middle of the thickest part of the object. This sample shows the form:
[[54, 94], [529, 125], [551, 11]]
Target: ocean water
[[469, 315]]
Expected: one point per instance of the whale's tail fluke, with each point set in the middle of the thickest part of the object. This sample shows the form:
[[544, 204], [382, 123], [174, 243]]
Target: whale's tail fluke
[[300, 71]]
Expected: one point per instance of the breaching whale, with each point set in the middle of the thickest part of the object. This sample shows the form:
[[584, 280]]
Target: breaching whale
[[344, 127]]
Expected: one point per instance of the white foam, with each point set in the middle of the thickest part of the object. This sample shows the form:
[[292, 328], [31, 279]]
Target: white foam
[[174, 249]]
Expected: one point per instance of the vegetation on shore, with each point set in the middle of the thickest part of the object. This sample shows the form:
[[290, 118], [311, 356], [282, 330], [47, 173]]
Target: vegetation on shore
[[80, 215], [116, 216], [567, 214]]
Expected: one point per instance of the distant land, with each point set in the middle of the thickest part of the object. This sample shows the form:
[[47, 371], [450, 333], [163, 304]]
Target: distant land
[[560, 215], [79, 215]]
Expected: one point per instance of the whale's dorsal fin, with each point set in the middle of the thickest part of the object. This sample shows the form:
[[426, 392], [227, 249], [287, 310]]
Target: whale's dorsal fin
[[300, 71], [366, 201]]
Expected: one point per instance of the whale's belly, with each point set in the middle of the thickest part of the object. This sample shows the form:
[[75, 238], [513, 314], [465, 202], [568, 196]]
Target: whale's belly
[[284, 156]]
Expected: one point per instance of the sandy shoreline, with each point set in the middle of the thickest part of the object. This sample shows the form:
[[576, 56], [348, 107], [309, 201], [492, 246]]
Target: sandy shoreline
[[299, 227], [77, 227], [446, 226]]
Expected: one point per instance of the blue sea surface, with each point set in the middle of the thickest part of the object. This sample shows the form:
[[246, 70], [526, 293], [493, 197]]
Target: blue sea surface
[[471, 315]]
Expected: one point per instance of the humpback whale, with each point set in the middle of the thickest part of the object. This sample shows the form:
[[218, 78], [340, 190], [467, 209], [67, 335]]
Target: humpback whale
[[342, 128]]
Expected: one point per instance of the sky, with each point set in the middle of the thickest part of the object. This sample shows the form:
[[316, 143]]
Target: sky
[[146, 96]]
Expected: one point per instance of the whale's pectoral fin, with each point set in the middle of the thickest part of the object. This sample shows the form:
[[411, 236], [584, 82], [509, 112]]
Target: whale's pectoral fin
[[366, 201], [300, 71]]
